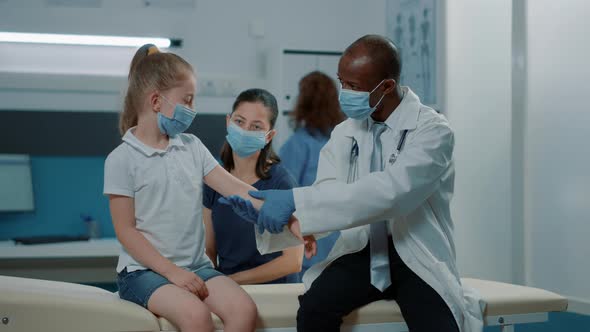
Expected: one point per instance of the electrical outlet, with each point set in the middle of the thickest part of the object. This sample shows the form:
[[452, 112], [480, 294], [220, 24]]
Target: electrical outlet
[[206, 87], [226, 88], [217, 87]]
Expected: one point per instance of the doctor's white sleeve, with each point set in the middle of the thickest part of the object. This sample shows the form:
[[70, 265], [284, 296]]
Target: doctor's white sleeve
[[269, 243], [395, 192]]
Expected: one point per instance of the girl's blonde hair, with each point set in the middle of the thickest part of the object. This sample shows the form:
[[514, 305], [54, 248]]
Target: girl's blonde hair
[[150, 70]]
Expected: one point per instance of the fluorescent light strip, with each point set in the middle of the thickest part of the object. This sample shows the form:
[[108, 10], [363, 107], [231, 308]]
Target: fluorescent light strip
[[46, 38]]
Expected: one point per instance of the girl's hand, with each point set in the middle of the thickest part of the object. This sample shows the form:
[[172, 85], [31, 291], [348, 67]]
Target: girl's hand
[[189, 281]]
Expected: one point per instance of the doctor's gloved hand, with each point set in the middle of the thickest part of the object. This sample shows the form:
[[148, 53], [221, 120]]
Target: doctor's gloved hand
[[242, 208], [276, 210]]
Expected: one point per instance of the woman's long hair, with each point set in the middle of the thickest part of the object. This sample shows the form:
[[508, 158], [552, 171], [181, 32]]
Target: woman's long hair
[[317, 108]]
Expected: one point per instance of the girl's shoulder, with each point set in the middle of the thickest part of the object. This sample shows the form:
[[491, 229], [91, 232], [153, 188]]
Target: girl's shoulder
[[119, 155], [192, 142], [190, 139], [119, 161]]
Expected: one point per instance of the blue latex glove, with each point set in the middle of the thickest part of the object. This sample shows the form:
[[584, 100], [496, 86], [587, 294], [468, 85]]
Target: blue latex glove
[[276, 210], [242, 208]]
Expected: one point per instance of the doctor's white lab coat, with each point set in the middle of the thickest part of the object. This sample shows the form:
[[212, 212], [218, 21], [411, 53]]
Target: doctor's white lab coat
[[413, 193]]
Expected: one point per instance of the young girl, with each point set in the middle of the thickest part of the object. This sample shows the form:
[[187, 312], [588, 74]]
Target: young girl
[[154, 181], [248, 155]]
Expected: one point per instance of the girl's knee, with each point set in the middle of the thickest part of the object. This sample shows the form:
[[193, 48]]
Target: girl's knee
[[243, 312], [196, 319], [250, 309]]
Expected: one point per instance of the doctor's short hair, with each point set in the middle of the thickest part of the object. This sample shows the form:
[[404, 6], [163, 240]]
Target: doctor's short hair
[[267, 155], [317, 108], [383, 53], [150, 70]]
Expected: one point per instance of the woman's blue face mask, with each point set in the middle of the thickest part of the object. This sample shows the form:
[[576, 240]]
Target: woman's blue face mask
[[244, 142], [355, 104], [180, 121]]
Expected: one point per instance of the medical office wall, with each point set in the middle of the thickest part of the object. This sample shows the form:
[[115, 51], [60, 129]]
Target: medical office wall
[[478, 105], [557, 136], [516, 77]]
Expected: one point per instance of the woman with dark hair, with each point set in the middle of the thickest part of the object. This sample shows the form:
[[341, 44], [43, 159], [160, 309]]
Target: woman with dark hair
[[316, 113], [248, 155]]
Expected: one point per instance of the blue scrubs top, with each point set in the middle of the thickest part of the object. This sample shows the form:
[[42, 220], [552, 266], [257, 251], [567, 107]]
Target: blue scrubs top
[[234, 237], [300, 155]]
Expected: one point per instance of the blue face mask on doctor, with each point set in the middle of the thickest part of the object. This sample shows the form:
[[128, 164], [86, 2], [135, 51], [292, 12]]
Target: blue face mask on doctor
[[244, 142], [180, 121], [356, 105]]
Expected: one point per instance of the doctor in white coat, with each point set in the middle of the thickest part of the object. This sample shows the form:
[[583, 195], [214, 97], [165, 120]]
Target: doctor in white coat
[[385, 178]]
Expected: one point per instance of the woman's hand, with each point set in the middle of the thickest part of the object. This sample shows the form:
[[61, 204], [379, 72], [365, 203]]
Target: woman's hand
[[295, 229], [189, 281], [311, 246]]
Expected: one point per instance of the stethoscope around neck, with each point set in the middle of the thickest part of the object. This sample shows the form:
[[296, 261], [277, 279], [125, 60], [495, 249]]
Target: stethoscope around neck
[[354, 151]]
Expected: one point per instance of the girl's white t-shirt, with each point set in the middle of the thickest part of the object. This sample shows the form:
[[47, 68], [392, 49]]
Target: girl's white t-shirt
[[167, 187]]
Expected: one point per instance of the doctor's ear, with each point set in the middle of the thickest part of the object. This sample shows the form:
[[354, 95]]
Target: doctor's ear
[[389, 86]]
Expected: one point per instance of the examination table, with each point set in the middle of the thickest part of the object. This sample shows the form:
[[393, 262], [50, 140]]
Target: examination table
[[28, 305]]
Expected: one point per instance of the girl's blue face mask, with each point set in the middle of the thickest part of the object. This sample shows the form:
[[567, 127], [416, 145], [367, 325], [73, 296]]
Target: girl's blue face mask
[[355, 104], [180, 121], [244, 142]]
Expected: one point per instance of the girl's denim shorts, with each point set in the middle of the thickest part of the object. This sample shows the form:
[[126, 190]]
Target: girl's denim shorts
[[138, 286]]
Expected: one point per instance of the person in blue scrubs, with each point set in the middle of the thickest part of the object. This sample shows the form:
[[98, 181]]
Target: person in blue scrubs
[[316, 113], [248, 155]]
